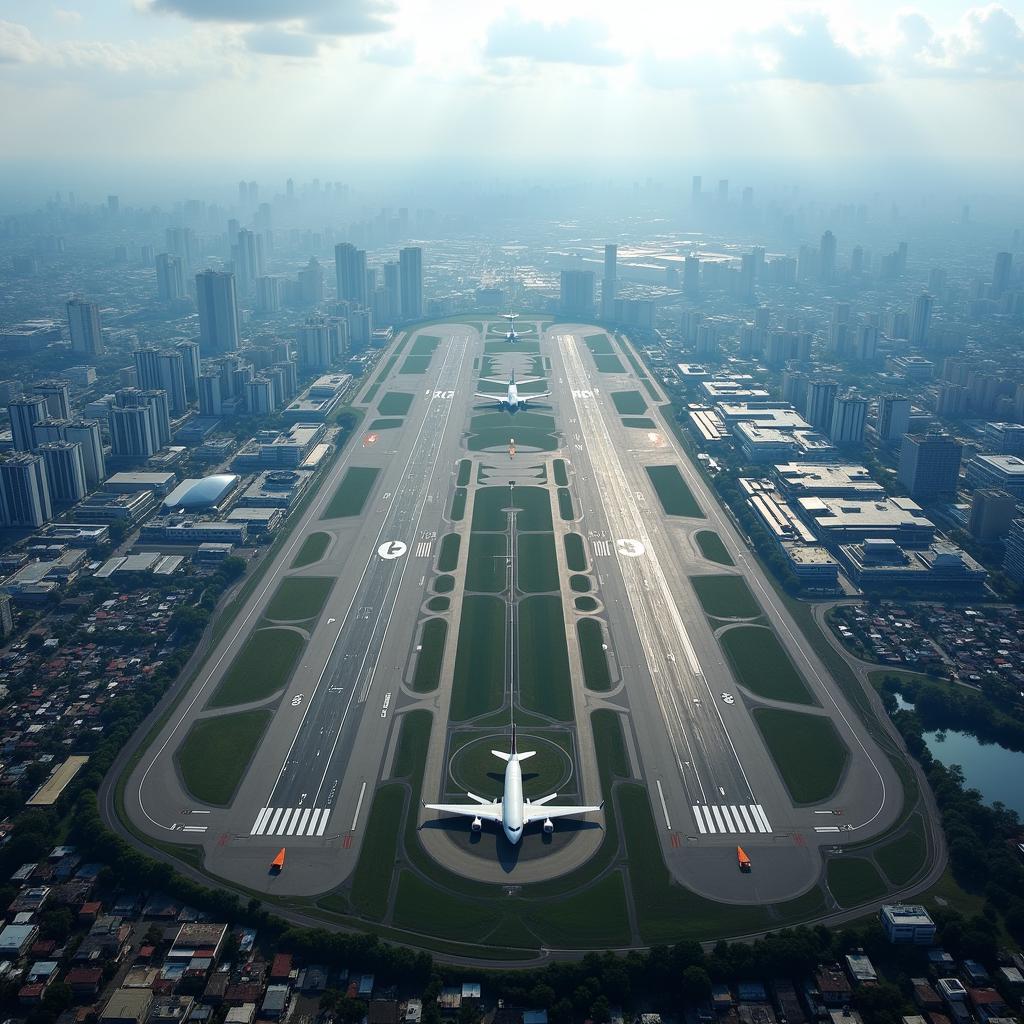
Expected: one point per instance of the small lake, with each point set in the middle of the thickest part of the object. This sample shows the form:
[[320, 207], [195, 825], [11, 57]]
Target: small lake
[[993, 771]]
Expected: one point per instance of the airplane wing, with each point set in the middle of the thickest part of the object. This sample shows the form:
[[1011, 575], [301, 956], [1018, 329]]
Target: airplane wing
[[533, 398], [538, 811], [493, 397], [529, 380], [501, 383], [485, 811]]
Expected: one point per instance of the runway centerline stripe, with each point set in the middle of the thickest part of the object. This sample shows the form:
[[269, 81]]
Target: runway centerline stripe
[[700, 821], [272, 828], [323, 822], [312, 822], [746, 818]]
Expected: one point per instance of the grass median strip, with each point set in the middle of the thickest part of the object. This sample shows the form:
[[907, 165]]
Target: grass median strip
[[428, 663], [596, 674], [385, 424], [478, 682], [350, 497], [629, 403], [675, 496], [465, 469], [806, 749], [544, 658], [458, 505], [904, 857], [395, 403], [371, 881], [533, 504], [575, 557], [599, 344], [561, 474], [415, 364], [299, 598], [854, 880], [260, 668], [762, 666], [712, 547], [216, 752], [638, 422], [486, 562], [725, 597], [313, 549], [448, 557], [565, 509], [609, 364], [537, 566]]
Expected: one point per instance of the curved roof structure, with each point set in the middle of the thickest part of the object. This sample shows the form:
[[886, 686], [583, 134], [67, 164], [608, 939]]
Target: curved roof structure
[[196, 495]]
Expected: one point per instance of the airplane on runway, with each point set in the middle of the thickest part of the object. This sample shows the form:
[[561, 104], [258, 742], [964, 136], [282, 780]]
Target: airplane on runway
[[512, 811], [512, 398], [511, 337]]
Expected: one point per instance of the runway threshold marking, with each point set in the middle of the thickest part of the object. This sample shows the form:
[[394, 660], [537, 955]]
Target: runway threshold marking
[[288, 821], [723, 819], [664, 806]]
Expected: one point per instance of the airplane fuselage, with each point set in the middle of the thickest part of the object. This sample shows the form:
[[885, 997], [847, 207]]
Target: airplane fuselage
[[512, 816], [512, 398]]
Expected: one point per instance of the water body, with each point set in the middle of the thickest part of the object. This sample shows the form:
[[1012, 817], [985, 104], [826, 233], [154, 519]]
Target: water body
[[992, 770]]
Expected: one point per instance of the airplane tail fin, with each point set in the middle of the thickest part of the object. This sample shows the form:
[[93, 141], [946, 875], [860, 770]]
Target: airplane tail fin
[[513, 377]]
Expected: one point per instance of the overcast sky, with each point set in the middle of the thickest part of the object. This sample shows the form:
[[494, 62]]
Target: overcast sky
[[247, 81]]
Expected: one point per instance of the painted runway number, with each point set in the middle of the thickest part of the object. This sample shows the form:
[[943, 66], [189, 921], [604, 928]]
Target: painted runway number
[[298, 699]]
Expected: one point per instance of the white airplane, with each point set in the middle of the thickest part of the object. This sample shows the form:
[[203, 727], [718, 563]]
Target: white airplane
[[512, 812], [512, 397], [511, 335]]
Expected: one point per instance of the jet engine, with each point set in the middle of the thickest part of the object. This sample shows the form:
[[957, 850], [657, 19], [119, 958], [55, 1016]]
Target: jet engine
[[477, 824], [549, 826]]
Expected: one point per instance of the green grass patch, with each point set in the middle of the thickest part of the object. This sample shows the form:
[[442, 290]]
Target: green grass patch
[[395, 403], [675, 496], [352, 492], [561, 473], [609, 364], [639, 422], [575, 556], [486, 564], [425, 345], [726, 597], [537, 564], [599, 344], [530, 430], [260, 668], [465, 469], [385, 424], [544, 658], [565, 509], [906, 856], [418, 908], [806, 749], [439, 604], [371, 880], [444, 584], [585, 604], [478, 682], [629, 403], [595, 661], [298, 598], [580, 584], [533, 504], [428, 664], [458, 505], [448, 556], [596, 917], [762, 666], [712, 547], [412, 746], [853, 880], [498, 348], [415, 364], [216, 752], [474, 769], [312, 550], [611, 746]]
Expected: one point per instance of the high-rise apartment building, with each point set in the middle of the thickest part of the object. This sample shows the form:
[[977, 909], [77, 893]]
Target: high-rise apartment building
[[132, 433], [87, 434], [218, 312], [210, 401], [248, 259], [893, 419], [410, 272], [609, 282], [170, 277], [316, 345], [65, 471], [24, 492], [821, 396], [1001, 273], [930, 466], [920, 319], [25, 413], [992, 511], [827, 257], [849, 417], [269, 294], [84, 327], [576, 297], [190, 367], [57, 395], [350, 273], [259, 396]]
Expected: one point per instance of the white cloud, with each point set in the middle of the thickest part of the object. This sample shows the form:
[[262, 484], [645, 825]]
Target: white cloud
[[18, 45], [331, 17], [577, 41], [277, 42]]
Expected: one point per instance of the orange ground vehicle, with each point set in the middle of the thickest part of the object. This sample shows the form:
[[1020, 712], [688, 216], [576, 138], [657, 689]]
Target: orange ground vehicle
[[277, 864], [741, 858]]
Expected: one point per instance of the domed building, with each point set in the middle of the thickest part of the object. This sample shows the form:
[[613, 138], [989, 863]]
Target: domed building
[[206, 495]]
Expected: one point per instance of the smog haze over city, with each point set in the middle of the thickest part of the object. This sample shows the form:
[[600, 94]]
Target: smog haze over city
[[511, 513]]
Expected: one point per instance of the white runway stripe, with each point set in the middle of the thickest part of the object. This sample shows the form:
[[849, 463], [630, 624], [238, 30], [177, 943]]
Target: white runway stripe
[[290, 821], [726, 819], [603, 548], [423, 549]]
